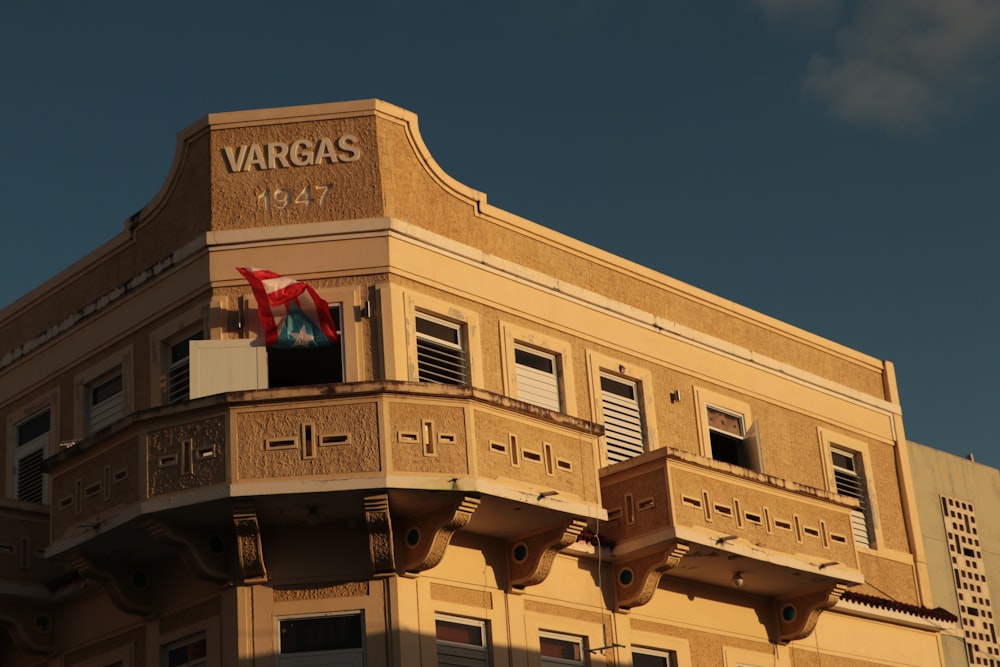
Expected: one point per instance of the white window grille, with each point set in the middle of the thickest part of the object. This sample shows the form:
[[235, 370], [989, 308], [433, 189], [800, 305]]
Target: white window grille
[[557, 649], [623, 427], [848, 476], [31, 444], [440, 351], [537, 376], [461, 642], [179, 369], [105, 402]]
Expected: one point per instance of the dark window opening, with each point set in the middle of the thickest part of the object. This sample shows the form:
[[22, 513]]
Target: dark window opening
[[728, 449], [324, 633], [293, 367]]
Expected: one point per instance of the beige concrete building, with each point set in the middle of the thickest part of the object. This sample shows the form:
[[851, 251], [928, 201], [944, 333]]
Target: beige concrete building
[[957, 501], [521, 451]]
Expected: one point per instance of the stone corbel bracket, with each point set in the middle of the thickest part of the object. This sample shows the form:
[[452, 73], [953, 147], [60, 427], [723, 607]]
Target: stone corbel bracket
[[203, 554], [379, 523], [30, 628], [426, 538], [529, 559], [249, 548], [129, 589], [636, 578], [796, 616]]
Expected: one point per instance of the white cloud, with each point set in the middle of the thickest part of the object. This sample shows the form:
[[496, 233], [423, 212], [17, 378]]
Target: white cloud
[[904, 64]]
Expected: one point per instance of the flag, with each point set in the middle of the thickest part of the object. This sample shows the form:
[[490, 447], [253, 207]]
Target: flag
[[291, 313]]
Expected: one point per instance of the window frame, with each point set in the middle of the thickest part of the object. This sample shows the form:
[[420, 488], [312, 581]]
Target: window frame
[[460, 347], [166, 648], [104, 412], [513, 337], [284, 659], [546, 384], [752, 451], [85, 381], [42, 443], [830, 441], [668, 654], [578, 640], [474, 652], [49, 402], [655, 643], [169, 366], [597, 364], [337, 311], [622, 403]]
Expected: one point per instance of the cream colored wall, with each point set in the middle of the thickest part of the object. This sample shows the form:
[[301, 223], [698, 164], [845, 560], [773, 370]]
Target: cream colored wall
[[443, 244]]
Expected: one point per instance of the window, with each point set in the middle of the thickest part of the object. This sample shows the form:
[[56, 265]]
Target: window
[[645, 657], [337, 639], [849, 479], [730, 440], [31, 444], [537, 376], [623, 427], [105, 402], [291, 367], [178, 369], [556, 649], [441, 355], [188, 652], [461, 642]]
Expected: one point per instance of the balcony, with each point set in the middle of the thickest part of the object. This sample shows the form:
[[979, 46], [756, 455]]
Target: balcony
[[400, 466], [675, 513]]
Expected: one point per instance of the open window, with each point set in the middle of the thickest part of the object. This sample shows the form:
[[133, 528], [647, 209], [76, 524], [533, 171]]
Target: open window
[[32, 438], [845, 462], [849, 479], [291, 367], [731, 440], [728, 431]]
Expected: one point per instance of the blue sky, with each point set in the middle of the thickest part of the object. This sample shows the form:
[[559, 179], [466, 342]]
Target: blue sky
[[830, 163]]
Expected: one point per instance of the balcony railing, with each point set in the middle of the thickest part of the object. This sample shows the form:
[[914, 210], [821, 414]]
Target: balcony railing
[[713, 523], [327, 452]]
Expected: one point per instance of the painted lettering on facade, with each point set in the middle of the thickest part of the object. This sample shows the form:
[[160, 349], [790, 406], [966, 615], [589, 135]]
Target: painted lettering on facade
[[298, 153]]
